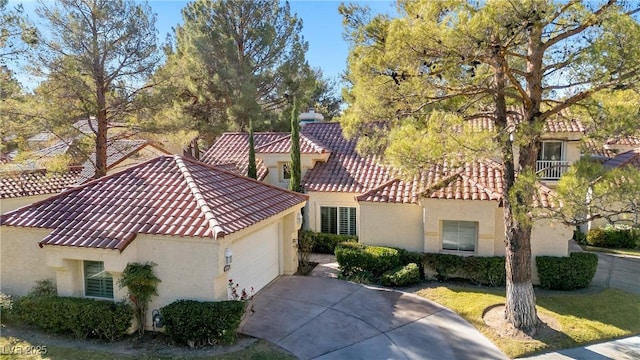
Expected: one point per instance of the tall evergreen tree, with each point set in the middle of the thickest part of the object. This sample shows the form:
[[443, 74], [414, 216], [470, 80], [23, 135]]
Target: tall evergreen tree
[[296, 172], [443, 64], [252, 171], [101, 52]]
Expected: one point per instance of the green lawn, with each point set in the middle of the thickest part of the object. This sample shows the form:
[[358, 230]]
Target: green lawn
[[260, 350], [632, 252], [584, 318]]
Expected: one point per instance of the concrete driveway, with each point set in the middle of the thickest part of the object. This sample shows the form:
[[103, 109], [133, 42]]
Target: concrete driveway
[[323, 318]]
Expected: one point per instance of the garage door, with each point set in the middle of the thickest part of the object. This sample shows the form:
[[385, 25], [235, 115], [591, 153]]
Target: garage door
[[256, 259]]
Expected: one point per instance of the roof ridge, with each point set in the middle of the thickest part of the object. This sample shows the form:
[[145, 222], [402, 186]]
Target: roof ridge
[[317, 144], [215, 227], [273, 142], [377, 188], [493, 195]]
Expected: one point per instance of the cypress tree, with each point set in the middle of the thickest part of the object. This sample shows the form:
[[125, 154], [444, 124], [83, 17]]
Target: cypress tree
[[252, 171], [296, 172]]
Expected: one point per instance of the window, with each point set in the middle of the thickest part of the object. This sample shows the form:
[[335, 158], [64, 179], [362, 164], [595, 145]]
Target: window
[[338, 220], [459, 235], [551, 151], [97, 282], [285, 172]]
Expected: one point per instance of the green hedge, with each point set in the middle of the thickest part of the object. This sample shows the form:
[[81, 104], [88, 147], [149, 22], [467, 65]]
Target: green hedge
[[567, 273], [326, 243], [443, 264], [489, 270], [78, 316], [614, 238], [354, 257], [194, 322], [401, 276]]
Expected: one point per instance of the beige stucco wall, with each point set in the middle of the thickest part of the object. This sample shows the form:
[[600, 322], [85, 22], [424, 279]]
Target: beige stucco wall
[[318, 199], [14, 203], [22, 261], [396, 225], [483, 212], [273, 162], [189, 268]]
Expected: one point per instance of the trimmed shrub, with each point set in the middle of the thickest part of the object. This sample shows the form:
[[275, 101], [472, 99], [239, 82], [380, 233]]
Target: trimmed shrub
[[354, 257], [402, 276], [326, 243], [407, 257], [567, 273], [78, 316], [198, 323], [443, 264], [579, 237], [616, 238], [489, 271]]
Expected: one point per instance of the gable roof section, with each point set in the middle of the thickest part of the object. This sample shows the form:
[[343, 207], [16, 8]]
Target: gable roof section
[[233, 148], [628, 158], [168, 195], [36, 182], [481, 180], [308, 145], [345, 170]]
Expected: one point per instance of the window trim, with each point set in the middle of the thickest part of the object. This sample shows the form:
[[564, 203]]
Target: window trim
[[562, 150], [338, 210], [458, 250], [282, 166], [84, 282]]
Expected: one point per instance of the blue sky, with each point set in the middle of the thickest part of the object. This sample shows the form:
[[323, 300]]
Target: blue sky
[[322, 28]]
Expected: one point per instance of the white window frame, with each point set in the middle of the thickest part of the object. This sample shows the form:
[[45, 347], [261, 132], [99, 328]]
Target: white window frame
[[476, 226], [282, 167], [352, 221], [562, 150], [84, 282]]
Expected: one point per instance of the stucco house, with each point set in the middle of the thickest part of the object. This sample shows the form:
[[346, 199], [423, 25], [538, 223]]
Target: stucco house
[[359, 195], [25, 186], [183, 215]]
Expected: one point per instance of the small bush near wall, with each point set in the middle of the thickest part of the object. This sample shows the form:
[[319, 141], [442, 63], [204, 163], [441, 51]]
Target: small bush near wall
[[407, 257], [567, 273], [616, 238], [197, 323], [401, 276], [489, 271], [354, 258], [78, 316], [326, 243], [443, 264]]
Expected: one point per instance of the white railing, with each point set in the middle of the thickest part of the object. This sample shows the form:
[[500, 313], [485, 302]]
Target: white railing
[[551, 169]]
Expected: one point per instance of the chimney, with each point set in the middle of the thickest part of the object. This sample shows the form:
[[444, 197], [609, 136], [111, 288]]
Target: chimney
[[311, 116]]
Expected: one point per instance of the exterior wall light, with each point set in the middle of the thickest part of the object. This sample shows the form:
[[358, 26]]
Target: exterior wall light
[[299, 220]]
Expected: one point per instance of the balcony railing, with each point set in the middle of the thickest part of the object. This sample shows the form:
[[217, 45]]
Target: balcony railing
[[551, 169]]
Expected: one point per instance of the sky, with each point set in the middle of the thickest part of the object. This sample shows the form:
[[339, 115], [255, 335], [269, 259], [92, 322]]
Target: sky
[[322, 29]]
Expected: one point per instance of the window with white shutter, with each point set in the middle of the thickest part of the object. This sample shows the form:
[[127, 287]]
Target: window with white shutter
[[459, 235], [97, 282], [338, 220]]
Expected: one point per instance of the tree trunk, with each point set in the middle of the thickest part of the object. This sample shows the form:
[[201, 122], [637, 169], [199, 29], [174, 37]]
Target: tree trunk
[[101, 139]]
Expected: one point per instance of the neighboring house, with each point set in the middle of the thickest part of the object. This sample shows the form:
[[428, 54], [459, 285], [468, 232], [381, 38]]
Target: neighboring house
[[22, 187], [25, 187], [178, 213], [358, 195]]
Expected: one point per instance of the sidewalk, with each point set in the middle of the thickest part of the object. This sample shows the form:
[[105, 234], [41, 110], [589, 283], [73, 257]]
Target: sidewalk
[[622, 349]]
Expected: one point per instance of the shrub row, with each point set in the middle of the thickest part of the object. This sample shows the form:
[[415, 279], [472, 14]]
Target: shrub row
[[614, 238], [78, 316], [567, 273], [194, 322], [326, 243], [401, 276], [389, 266], [483, 270]]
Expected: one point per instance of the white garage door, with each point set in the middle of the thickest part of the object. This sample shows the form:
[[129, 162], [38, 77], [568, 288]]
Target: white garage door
[[256, 259]]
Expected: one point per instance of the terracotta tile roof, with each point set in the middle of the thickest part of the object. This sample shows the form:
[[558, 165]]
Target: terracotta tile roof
[[624, 141], [472, 181], [594, 148], [59, 148], [345, 170], [233, 148], [557, 124], [36, 182], [308, 145], [628, 158], [168, 195], [117, 152]]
